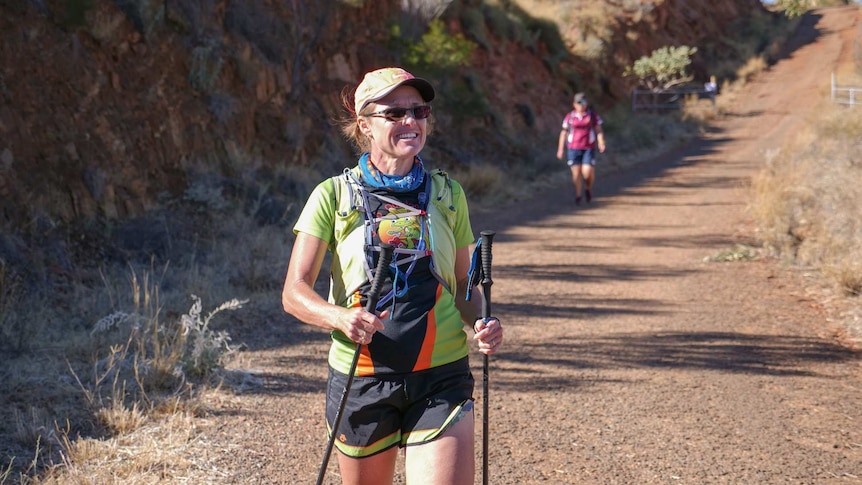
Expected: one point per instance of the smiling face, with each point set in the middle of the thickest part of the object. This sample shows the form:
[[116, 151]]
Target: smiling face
[[394, 144]]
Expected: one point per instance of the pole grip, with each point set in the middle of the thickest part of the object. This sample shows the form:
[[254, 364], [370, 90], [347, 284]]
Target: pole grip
[[487, 281], [386, 252]]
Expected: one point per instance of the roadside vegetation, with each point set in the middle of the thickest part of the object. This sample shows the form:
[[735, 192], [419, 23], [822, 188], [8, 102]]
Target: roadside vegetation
[[107, 366], [795, 8], [807, 202]]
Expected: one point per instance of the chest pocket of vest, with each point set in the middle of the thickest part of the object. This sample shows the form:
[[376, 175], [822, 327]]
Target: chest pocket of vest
[[347, 217]]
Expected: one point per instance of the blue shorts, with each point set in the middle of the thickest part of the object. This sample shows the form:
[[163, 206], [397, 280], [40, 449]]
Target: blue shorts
[[398, 409], [581, 157]]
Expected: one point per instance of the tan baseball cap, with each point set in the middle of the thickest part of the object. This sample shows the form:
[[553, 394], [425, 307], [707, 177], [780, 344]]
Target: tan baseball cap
[[377, 84]]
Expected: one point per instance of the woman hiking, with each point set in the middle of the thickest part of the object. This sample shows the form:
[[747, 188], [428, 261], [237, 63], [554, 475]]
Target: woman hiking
[[413, 388]]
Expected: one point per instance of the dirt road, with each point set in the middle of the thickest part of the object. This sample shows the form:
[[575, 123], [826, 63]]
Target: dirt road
[[629, 360]]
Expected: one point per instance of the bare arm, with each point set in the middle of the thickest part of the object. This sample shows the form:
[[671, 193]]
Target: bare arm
[[561, 144], [600, 138], [470, 310], [300, 300]]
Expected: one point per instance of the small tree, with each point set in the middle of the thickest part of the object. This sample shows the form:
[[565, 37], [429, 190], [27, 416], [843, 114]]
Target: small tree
[[664, 68], [795, 8], [440, 50]]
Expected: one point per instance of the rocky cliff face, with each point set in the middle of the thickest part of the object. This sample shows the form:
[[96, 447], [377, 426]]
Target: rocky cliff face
[[111, 109]]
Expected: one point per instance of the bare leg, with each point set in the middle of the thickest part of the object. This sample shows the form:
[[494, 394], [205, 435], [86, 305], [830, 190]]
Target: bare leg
[[589, 177], [576, 179], [373, 470], [448, 459]]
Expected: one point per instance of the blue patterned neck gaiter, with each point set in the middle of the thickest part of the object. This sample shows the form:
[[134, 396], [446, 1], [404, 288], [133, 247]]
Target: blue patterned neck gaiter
[[393, 183]]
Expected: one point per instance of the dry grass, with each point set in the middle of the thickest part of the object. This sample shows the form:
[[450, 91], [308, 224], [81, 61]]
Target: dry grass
[[749, 69], [807, 199], [739, 252], [139, 365], [158, 453], [699, 110], [143, 369], [119, 419], [481, 182]]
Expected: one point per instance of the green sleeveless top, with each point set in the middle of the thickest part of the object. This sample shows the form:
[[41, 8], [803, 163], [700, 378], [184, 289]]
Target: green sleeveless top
[[424, 329]]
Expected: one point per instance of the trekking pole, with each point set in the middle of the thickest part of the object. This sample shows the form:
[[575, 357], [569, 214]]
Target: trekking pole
[[485, 252], [386, 251]]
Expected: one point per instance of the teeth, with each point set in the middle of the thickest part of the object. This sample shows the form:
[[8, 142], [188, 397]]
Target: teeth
[[407, 135]]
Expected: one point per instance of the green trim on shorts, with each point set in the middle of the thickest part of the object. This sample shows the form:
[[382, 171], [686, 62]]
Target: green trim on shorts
[[365, 451], [422, 436]]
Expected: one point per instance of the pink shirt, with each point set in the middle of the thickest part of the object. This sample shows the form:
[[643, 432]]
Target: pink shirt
[[581, 129]]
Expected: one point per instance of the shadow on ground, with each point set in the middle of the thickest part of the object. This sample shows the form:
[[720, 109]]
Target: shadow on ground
[[569, 362]]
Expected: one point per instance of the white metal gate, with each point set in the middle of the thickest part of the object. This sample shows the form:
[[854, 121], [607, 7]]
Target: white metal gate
[[667, 99], [850, 95]]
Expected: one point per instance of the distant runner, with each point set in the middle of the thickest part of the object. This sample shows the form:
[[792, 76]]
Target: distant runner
[[581, 134]]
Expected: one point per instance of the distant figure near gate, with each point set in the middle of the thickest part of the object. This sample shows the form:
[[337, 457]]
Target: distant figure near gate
[[711, 89]]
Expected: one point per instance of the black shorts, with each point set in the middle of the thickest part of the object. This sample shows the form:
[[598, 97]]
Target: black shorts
[[398, 409]]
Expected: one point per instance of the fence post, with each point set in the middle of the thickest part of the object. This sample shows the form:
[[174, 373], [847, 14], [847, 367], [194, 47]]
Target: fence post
[[833, 86]]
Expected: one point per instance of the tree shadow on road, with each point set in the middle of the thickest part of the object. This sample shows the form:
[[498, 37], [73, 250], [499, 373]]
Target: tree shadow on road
[[573, 361], [806, 33]]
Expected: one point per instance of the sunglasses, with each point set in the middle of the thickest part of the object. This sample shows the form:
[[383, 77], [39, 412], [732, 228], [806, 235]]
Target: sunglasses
[[398, 114]]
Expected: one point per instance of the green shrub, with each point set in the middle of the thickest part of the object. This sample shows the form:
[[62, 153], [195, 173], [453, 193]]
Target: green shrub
[[145, 15], [466, 101], [500, 23], [794, 8], [474, 24], [520, 33], [253, 21], [664, 68], [9, 294], [439, 50], [75, 12], [206, 63], [548, 32]]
